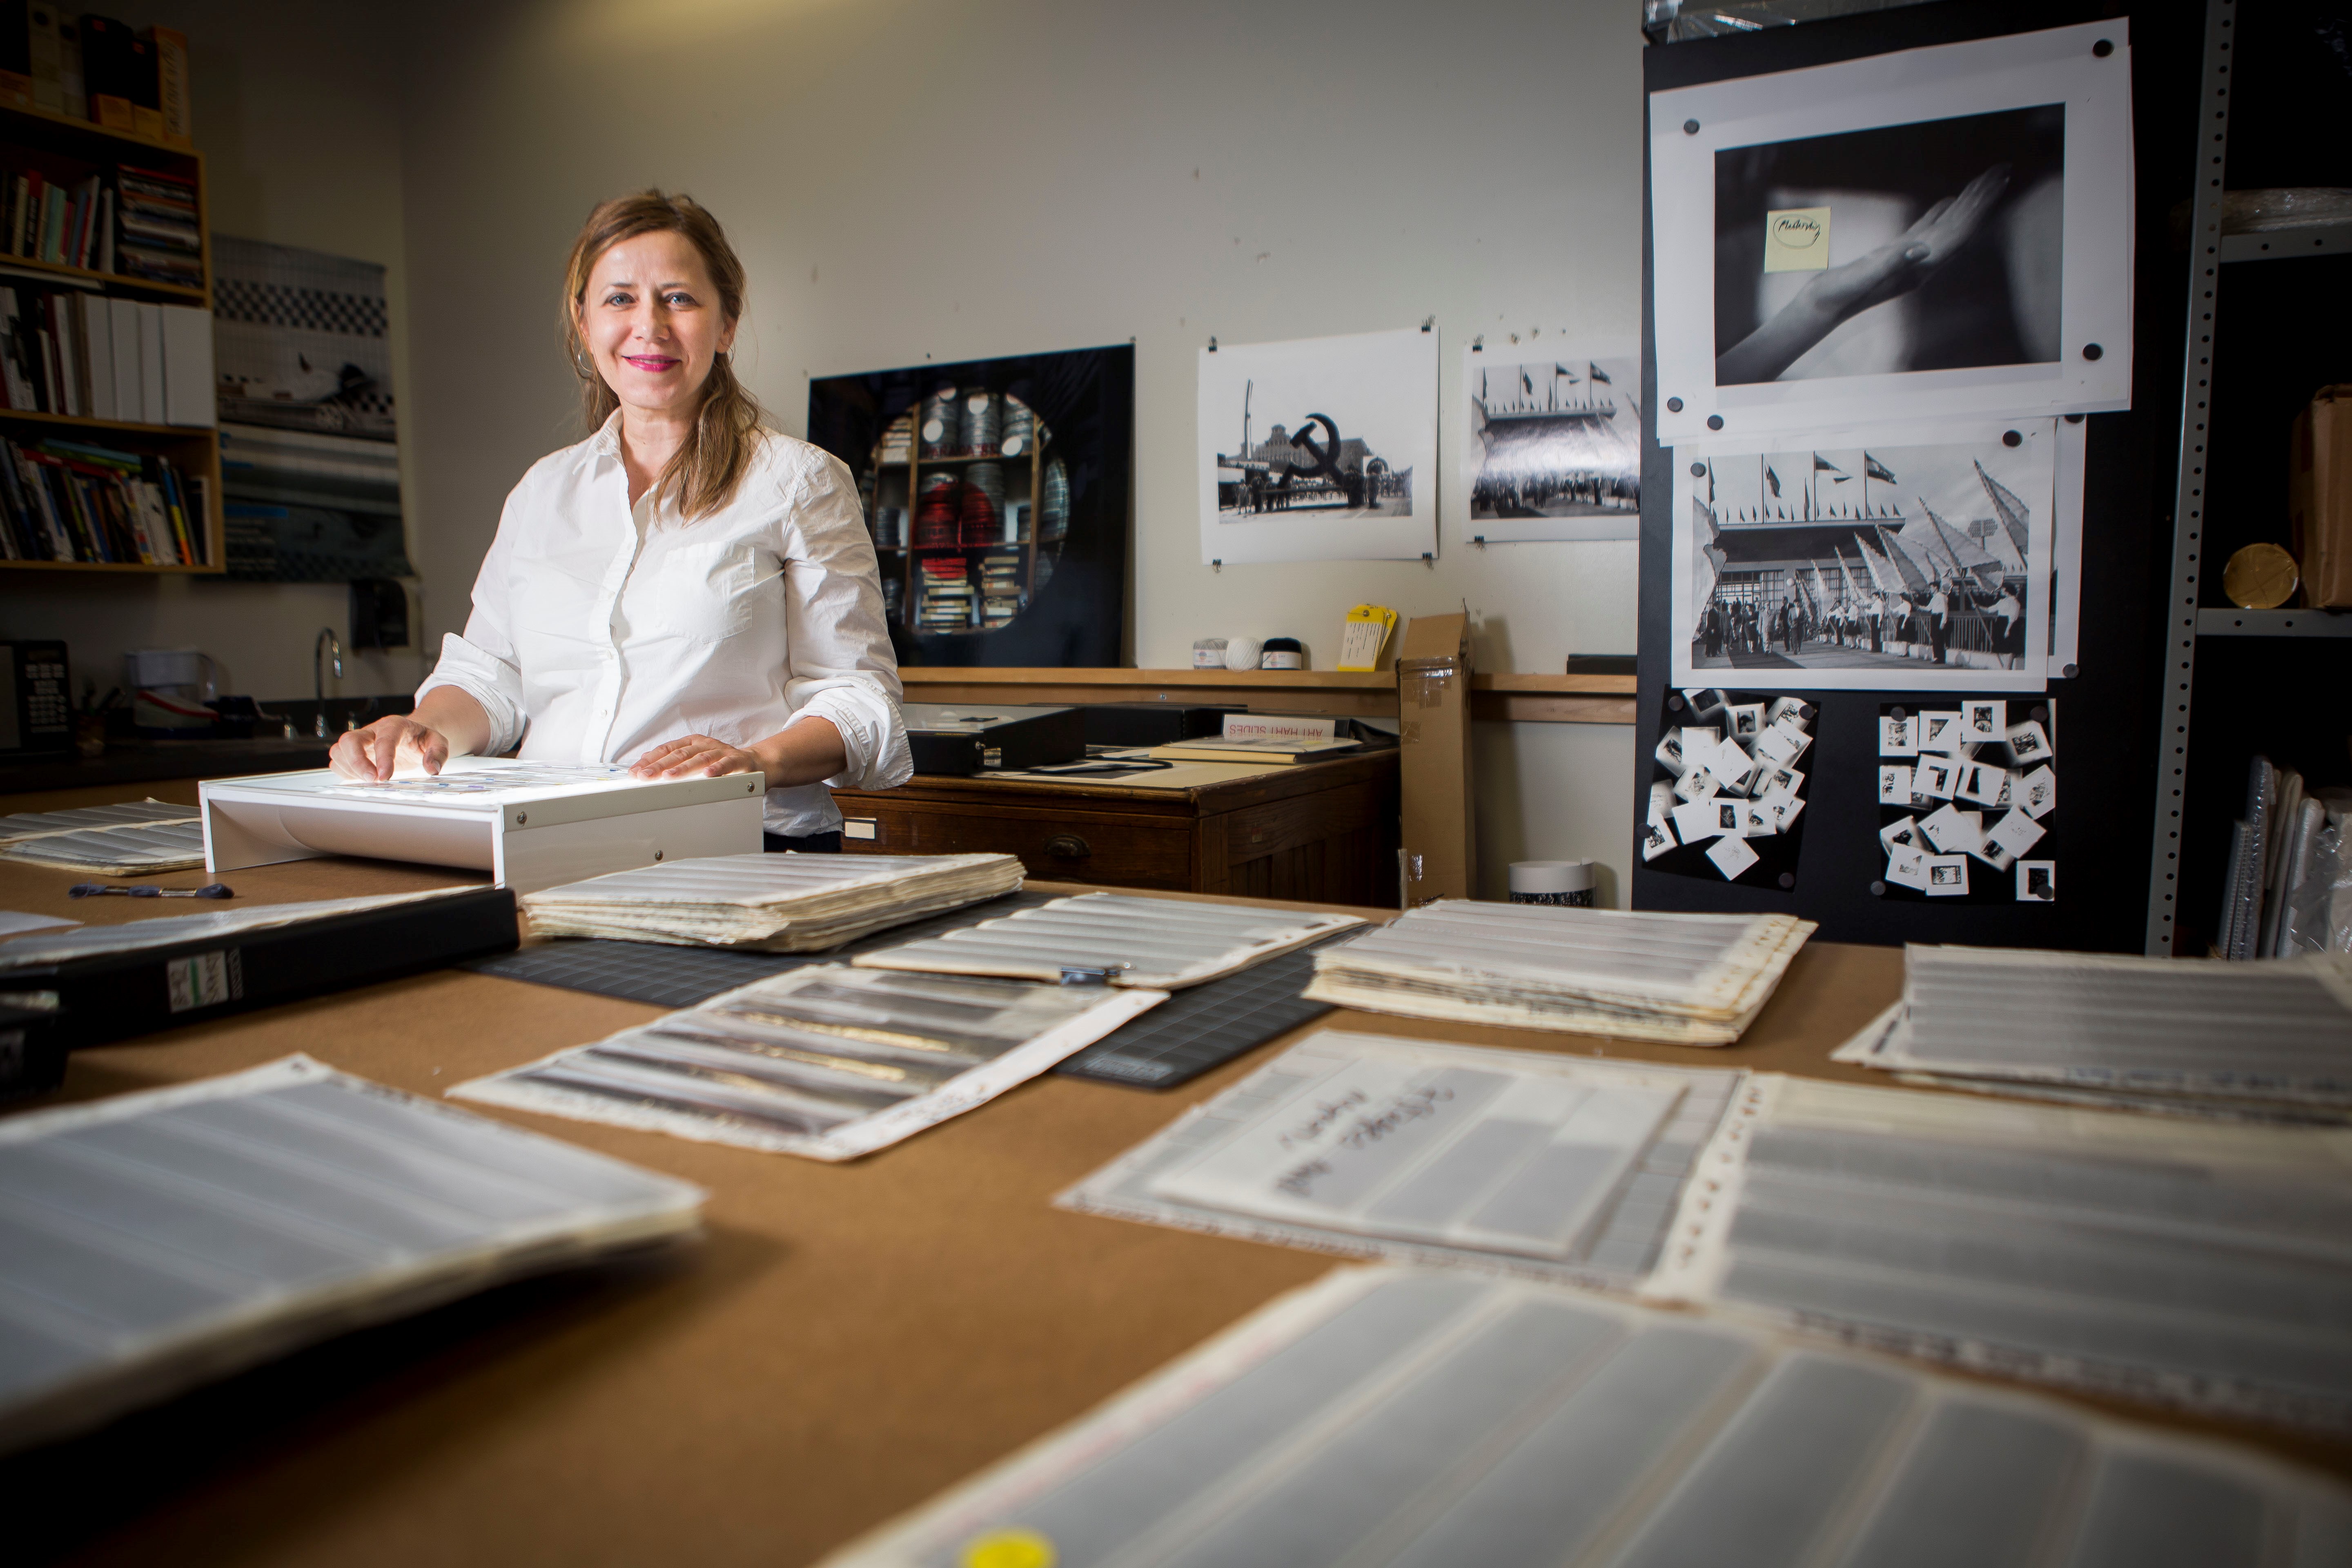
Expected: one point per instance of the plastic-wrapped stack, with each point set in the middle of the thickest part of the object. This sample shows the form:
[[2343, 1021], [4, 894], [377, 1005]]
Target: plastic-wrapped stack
[[185, 1233], [771, 904], [1691, 980], [942, 425], [935, 514], [1054, 510], [983, 416], [2269, 1039], [982, 514], [1124, 939], [1018, 432]]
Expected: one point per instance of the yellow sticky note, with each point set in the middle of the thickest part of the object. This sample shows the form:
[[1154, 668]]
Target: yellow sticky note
[[1008, 1548], [1797, 239], [1363, 635]]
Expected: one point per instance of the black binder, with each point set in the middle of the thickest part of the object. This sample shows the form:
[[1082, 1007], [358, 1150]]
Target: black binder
[[114, 996]]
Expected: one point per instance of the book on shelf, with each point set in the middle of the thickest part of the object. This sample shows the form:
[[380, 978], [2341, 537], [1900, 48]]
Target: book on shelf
[[83, 501], [68, 351], [129, 222]]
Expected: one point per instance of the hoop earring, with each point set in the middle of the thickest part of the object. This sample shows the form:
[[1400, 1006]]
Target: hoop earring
[[583, 366]]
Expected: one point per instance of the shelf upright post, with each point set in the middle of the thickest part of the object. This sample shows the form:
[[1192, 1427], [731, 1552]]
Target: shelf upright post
[[2188, 493]]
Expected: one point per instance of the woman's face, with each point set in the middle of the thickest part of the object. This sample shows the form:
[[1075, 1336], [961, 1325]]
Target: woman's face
[[652, 323]]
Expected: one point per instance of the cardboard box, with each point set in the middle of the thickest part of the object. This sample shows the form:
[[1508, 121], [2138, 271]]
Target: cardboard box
[[1433, 764], [2319, 497]]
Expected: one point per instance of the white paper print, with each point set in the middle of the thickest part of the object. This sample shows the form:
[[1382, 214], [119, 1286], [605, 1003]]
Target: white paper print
[[2037, 881], [1731, 857], [1319, 449], [1899, 557], [1947, 876], [1895, 786], [1900, 737], [1979, 246], [1552, 441], [2038, 793]]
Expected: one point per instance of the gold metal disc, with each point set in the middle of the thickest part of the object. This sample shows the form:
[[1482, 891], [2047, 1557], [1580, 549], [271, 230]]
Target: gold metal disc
[[2260, 577]]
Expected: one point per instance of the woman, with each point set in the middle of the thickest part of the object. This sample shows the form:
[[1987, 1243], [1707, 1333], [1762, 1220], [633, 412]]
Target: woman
[[686, 590]]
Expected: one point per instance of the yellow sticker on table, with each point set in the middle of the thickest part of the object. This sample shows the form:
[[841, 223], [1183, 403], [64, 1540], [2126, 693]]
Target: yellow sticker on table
[[1797, 239], [1008, 1548]]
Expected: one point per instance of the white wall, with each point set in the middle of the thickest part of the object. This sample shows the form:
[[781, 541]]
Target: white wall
[[295, 111], [912, 179]]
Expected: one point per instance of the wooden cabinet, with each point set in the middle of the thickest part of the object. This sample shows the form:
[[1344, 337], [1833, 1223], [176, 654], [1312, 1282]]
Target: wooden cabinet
[[1323, 832]]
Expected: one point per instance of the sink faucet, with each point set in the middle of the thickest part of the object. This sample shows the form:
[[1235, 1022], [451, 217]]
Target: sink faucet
[[326, 642]]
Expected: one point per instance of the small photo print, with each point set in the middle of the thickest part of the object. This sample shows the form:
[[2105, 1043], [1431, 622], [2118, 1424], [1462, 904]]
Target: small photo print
[[1900, 835], [1900, 737], [1983, 721], [1953, 832], [2014, 833], [1669, 754], [2037, 793], [1983, 783], [1699, 821], [1947, 876], [1936, 778], [2028, 743], [1792, 711], [1732, 856], [1907, 868], [1940, 732], [1895, 786], [1696, 784], [1656, 839], [1747, 719], [2037, 881]]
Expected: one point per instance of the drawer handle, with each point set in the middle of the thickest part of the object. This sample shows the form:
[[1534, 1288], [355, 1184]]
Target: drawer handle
[[1067, 847]]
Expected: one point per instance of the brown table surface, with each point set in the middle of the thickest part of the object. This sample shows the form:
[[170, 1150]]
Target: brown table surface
[[848, 1341]]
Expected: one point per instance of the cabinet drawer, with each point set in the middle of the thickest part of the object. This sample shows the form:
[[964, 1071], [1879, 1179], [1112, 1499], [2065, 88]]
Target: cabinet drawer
[[1065, 846]]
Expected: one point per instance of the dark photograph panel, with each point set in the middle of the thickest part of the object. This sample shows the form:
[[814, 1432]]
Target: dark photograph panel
[[1933, 246]]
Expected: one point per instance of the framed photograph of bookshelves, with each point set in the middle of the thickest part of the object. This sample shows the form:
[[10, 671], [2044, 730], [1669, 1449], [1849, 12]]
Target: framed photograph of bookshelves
[[109, 456], [996, 492]]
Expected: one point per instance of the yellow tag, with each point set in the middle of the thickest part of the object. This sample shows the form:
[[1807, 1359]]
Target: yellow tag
[[1362, 636], [1008, 1548], [1797, 239]]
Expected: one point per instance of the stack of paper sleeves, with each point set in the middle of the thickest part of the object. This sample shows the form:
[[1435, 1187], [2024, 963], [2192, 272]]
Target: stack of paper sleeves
[[153, 1241], [1166, 943], [136, 838], [1396, 1418], [1560, 1167], [1692, 980], [2271, 1038], [2203, 1264], [773, 903], [830, 1062]]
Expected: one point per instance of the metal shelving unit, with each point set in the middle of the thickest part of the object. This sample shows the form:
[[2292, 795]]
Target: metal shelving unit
[[2187, 623]]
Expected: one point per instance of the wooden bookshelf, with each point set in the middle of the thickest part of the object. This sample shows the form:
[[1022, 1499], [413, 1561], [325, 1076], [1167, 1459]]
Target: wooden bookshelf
[[67, 150]]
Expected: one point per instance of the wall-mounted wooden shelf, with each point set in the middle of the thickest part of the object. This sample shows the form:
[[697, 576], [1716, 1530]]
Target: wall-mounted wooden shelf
[[67, 150], [1523, 698]]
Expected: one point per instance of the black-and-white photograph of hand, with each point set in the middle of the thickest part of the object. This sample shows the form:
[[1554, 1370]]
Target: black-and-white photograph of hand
[[1938, 249]]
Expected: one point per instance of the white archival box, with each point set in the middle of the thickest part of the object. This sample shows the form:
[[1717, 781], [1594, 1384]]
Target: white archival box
[[529, 825]]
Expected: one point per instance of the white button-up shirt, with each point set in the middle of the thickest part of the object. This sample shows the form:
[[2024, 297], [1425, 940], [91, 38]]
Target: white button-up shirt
[[601, 631]]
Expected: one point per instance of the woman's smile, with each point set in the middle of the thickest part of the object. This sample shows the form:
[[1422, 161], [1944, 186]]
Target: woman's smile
[[654, 365]]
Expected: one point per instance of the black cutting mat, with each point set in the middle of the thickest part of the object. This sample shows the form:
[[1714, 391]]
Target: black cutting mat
[[1203, 1026], [669, 976]]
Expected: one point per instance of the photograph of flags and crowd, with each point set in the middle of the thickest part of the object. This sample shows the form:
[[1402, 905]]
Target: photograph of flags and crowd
[[1896, 564]]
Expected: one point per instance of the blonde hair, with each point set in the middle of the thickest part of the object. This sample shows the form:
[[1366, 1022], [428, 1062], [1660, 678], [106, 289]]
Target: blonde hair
[[710, 465]]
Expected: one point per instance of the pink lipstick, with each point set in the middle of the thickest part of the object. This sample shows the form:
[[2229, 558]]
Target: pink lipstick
[[652, 363]]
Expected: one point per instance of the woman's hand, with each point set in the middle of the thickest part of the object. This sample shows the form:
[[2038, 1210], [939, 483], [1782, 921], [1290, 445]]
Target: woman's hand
[[694, 757], [372, 755], [1838, 295]]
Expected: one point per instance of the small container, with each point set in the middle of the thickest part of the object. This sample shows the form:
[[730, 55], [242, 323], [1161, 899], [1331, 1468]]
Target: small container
[[1283, 653], [1565, 882], [1208, 653]]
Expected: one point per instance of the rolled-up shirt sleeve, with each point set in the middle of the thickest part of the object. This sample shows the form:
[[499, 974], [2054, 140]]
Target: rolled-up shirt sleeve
[[483, 662], [842, 669]]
